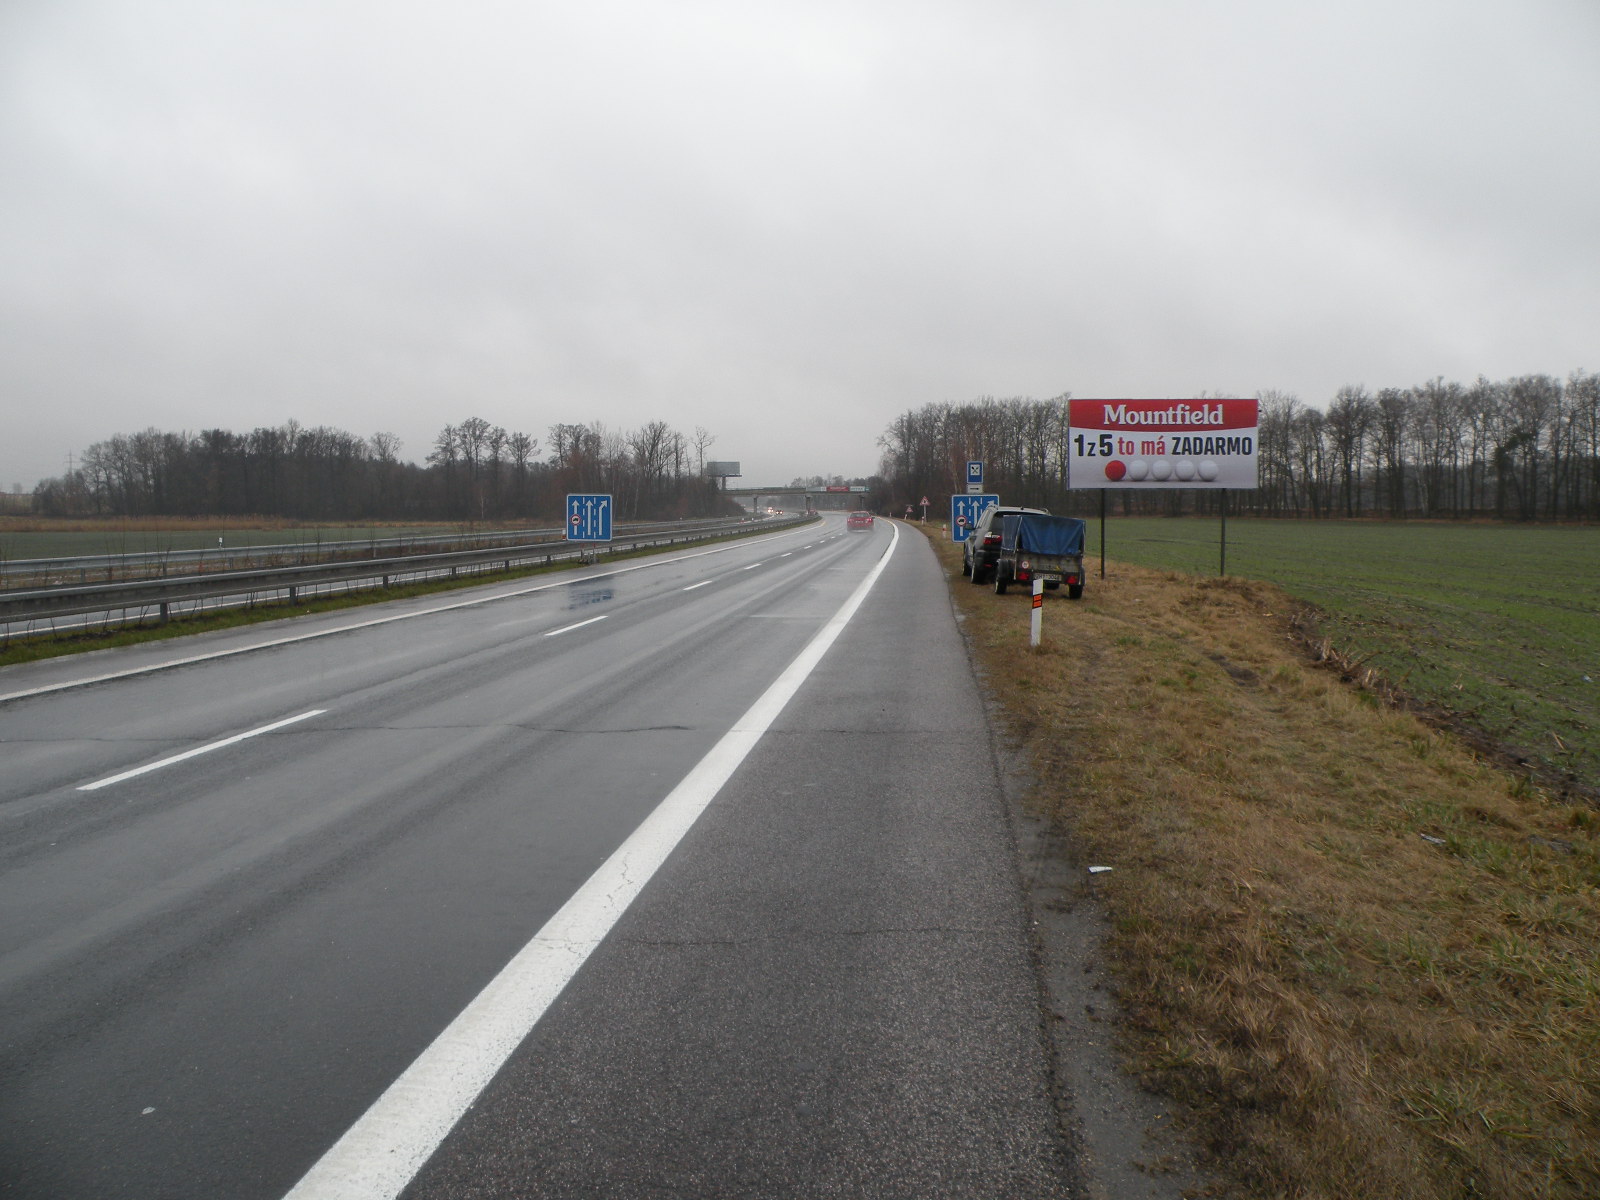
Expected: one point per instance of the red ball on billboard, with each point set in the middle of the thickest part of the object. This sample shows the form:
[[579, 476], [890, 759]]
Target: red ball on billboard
[[1116, 469]]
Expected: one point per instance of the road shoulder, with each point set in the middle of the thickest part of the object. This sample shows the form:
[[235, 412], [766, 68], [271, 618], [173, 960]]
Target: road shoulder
[[1127, 1141]]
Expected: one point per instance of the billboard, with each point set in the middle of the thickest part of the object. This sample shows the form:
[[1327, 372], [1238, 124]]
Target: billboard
[[1162, 443], [722, 469]]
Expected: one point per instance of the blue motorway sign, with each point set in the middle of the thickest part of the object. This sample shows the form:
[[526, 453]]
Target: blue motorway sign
[[964, 513], [588, 518], [974, 475]]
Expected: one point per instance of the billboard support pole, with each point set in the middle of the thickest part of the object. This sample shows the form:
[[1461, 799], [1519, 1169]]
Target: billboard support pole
[[1222, 568], [1102, 533]]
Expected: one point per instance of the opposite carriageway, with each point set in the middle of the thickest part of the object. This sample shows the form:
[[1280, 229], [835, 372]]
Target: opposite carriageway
[[25, 611]]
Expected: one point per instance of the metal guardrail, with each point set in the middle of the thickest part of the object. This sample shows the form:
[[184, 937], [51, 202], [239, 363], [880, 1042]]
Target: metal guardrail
[[298, 582], [150, 564]]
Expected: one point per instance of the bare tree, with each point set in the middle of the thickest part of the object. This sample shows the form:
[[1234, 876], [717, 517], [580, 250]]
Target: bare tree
[[1279, 488], [1390, 426], [1531, 402], [1350, 419], [703, 440]]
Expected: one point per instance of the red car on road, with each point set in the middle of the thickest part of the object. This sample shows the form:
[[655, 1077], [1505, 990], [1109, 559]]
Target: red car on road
[[860, 519]]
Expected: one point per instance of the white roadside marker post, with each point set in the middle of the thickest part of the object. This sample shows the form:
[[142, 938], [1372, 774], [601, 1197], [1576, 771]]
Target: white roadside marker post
[[1038, 612]]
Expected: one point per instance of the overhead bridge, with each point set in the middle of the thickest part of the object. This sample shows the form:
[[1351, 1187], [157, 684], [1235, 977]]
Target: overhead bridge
[[837, 496]]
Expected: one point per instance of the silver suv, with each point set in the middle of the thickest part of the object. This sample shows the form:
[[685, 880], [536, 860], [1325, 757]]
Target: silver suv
[[982, 545]]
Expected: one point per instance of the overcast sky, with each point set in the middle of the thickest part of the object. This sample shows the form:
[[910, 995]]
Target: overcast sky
[[785, 222]]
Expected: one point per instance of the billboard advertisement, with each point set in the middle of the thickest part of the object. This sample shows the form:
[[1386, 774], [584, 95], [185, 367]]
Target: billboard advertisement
[[1162, 443]]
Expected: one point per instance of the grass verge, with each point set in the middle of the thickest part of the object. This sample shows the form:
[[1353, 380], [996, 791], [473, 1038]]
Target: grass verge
[[36, 647], [1492, 628], [1361, 955]]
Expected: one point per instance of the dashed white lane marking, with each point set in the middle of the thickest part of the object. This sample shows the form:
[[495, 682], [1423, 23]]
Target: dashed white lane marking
[[198, 750], [579, 625]]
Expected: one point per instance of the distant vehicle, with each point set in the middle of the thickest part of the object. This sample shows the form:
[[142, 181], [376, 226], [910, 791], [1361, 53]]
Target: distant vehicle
[[860, 519], [981, 549]]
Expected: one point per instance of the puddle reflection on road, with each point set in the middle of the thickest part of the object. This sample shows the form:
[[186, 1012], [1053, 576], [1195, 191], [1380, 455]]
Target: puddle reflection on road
[[582, 595]]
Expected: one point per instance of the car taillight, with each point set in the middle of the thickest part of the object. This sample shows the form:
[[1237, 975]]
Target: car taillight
[[991, 539]]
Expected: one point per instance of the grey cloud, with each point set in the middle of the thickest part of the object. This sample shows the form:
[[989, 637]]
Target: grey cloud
[[786, 223]]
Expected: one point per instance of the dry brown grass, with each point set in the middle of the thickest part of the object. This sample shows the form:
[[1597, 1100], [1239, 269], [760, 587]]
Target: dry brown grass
[[1363, 956]]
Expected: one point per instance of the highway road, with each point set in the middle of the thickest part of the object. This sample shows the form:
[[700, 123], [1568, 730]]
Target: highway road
[[686, 876]]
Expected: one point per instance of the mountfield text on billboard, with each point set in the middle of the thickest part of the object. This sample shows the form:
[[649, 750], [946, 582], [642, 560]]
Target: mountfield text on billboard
[[1162, 443]]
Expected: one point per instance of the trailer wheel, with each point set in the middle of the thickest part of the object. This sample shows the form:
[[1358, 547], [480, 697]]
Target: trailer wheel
[[1000, 582], [1075, 591]]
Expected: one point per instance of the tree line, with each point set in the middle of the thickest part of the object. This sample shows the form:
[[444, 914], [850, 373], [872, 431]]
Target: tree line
[[1521, 449], [474, 471]]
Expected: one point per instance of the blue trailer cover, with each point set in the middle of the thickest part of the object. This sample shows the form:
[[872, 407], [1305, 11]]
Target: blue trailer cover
[[1034, 533]]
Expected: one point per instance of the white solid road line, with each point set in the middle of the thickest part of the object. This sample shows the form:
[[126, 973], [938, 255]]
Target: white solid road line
[[384, 1149], [206, 749], [579, 625]]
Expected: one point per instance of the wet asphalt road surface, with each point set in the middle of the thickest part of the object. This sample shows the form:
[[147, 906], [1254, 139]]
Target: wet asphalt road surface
[[210, 970]]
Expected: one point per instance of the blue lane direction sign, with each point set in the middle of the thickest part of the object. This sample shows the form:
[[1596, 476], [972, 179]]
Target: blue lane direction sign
[[974, 476], [964, 513], [588, 517]]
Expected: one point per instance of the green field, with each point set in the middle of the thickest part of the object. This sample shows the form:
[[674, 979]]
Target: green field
[[1500, 625]]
